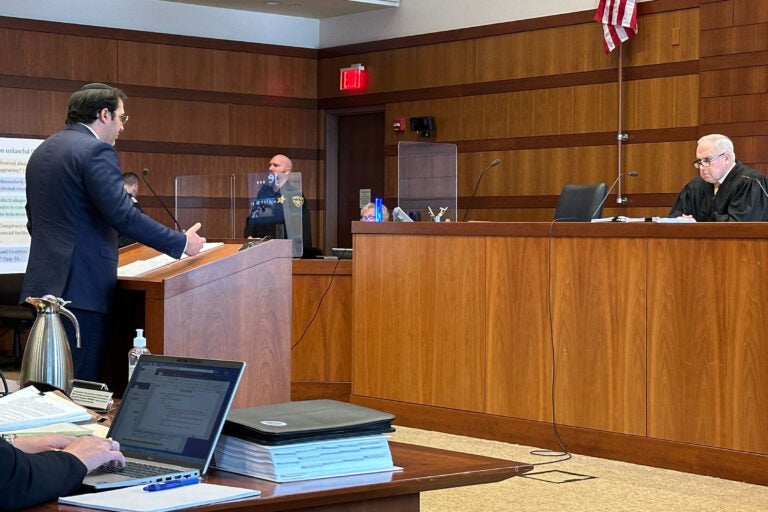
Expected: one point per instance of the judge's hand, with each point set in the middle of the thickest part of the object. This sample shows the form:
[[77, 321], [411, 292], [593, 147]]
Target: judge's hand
[[94, 451], [42, 442], [194, 241], [688, 217]]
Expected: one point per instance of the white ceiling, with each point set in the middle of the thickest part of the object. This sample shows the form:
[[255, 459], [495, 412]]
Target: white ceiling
[[317, 9]]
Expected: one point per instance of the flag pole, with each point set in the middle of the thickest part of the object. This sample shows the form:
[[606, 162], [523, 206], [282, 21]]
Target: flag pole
[[620, 135]]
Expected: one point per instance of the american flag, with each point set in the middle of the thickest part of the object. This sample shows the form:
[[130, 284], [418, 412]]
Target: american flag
[[619, 19]]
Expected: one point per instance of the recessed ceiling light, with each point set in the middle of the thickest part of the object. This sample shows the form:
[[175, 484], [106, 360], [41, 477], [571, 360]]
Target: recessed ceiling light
[[271, 3]]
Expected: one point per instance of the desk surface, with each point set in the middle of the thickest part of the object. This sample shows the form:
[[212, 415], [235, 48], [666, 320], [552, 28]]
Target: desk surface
[[424, 469]]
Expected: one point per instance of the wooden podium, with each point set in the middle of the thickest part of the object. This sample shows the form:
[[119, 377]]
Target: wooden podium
[[221, 304]]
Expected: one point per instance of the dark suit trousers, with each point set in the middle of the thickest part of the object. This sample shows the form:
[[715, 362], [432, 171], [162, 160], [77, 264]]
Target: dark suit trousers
[[94, 336]]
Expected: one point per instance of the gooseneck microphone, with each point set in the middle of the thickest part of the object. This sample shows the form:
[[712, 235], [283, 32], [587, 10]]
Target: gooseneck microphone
[[758, 182], [144, 173], [477, 184], [615, 182]]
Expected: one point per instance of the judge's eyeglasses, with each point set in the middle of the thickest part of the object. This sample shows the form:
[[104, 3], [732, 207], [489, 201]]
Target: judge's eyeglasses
[[705, 162]]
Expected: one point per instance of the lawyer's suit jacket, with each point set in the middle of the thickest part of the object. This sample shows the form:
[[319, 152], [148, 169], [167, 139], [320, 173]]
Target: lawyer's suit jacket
[[76, 204], [31, 479]]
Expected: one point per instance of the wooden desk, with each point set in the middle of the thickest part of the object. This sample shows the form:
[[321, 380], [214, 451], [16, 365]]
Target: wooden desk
[[656, 332], [424, 469]]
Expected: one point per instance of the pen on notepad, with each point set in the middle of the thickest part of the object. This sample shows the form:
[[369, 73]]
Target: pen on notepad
[[172, 484]]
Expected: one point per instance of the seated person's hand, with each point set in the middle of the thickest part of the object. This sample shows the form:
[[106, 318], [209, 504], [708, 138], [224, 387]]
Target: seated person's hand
[[94, 451], [42, 442]]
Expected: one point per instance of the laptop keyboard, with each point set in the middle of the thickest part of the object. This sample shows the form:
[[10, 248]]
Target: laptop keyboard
[[133, 469]]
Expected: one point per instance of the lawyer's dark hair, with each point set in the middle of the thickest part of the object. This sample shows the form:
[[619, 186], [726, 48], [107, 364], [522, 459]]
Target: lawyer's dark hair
[[84, 105]]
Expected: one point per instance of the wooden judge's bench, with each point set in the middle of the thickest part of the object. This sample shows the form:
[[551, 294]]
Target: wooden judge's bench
[[653, 335]]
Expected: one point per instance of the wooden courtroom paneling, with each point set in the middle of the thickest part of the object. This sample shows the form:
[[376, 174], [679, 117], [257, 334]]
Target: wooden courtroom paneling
[[707, 356], [662, 167], [51, 108], [666, 37], [598, 306], [734, 87], [216, 70], [321, 321], [49, 55], [657, 360], [176, 121], [538, 90], [518, 330], [196, 106], [273, 126], [436, 353]]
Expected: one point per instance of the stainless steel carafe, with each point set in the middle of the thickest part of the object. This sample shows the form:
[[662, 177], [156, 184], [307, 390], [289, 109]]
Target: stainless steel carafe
[[47, 359]]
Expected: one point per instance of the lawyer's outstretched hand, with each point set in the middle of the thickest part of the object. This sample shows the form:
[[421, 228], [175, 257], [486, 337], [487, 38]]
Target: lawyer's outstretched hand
[[195, 242]]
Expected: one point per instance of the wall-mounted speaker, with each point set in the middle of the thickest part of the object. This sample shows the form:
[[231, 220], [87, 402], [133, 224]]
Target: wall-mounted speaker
[[423, 125]]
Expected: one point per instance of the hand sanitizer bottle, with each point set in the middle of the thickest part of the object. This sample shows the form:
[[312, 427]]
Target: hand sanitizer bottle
[[139, 349]]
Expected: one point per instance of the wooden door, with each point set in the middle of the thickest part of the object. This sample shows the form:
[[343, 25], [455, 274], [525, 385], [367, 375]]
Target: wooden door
[[360, 166]]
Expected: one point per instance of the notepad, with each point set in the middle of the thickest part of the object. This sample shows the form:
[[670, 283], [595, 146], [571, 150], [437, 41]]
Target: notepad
[[136, 499]]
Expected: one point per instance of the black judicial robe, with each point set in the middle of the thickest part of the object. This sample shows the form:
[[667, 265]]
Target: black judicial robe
[[30, 479], [737, 199]]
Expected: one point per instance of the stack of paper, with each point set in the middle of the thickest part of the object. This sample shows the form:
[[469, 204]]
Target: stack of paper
[[304, 461], [304, 440], [140, 267], [29, 408], [661, 220]]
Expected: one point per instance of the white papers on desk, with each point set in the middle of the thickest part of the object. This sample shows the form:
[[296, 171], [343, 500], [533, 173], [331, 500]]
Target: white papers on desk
[[304, 461], [136, 499], [140, 267], [674, 220], [66, 428], [660, 220], [28, 408]]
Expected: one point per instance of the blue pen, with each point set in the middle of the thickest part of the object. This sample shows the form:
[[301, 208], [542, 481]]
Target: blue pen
[[172, 484]]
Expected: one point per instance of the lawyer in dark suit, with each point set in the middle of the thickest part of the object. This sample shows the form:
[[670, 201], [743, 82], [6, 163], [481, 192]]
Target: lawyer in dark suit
[[36, 469], [76, 205]]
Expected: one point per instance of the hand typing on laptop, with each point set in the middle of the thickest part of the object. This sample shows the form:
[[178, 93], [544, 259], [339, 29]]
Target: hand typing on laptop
[[36, 469], [91, 450]]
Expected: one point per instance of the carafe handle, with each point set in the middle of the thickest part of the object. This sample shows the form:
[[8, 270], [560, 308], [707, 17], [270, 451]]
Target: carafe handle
[[68, 314]]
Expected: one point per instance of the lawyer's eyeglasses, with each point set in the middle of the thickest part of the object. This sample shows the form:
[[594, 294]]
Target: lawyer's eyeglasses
[[123, 118], [706, 162]]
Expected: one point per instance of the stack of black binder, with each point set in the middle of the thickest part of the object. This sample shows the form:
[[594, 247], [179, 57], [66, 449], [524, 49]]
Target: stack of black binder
[[305, 440]]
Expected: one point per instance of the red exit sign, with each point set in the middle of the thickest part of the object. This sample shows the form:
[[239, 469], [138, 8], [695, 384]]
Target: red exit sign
[[353, 78]]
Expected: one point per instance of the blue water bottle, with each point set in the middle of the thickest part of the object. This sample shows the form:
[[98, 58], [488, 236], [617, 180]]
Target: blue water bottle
[[377, 209]]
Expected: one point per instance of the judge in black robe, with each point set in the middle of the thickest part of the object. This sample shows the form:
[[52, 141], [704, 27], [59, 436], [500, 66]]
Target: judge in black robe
[[741, 191]]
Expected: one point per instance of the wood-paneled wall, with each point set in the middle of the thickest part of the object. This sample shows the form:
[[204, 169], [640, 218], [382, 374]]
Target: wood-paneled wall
[[539, 94], [734, 75], [196, 106], [542, 96]]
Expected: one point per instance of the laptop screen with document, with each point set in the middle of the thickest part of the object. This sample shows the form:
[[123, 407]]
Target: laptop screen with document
[[174, 408]]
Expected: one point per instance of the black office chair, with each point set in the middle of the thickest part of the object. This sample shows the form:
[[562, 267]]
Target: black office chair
[[13, 315], [580, 203]]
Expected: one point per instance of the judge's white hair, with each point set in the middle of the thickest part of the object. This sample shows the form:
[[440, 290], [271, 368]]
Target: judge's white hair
[[722, 143]]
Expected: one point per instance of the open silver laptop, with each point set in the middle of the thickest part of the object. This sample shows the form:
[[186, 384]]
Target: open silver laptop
[[169, 419]]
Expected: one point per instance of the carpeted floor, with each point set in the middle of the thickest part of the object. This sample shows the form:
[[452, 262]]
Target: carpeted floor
[[616, 486]]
